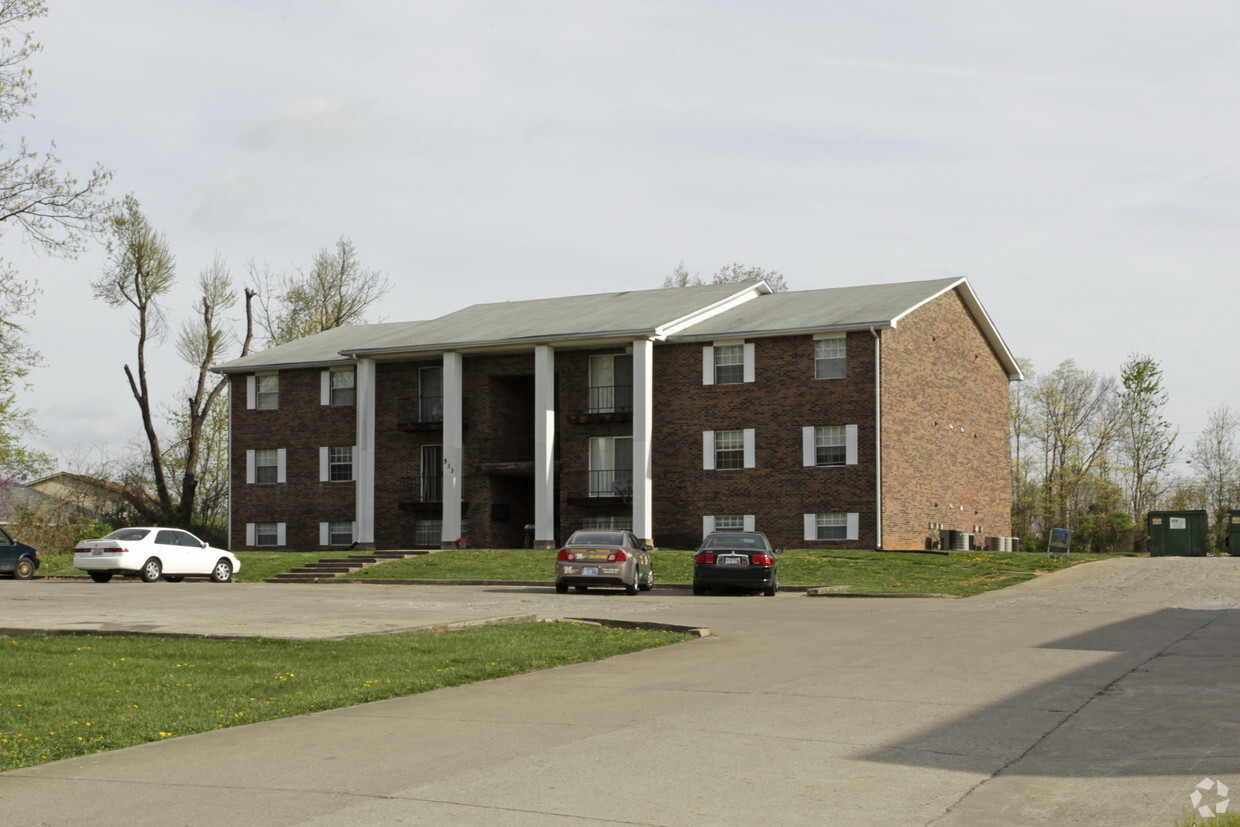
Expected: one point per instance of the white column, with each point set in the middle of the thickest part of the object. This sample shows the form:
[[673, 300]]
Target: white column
[[643, 427], [364, 459], [453, 448], [544, 447]]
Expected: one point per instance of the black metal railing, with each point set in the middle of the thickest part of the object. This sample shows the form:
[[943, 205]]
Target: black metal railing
[[424, 489], [611, 398]]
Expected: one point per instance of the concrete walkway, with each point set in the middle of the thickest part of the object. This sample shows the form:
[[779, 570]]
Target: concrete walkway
[[1102, 694]]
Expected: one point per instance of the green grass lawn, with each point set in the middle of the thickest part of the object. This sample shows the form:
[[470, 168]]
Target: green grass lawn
[[66, 696], [960, 573]]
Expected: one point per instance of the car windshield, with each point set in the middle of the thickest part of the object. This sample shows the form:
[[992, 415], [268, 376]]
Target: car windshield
[[128, 534], [597, 538], [741, 541]]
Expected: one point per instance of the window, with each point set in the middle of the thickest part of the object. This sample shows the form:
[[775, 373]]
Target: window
[[729, 449], [342, 387], [611, 383], [729, 364], [266, 534], [430, 395], [832, 526], [340, 464], [829, 358], [730, 522], [429, 533], [611, 466], [267, 465], [340, 533], [607, 524], [266, 392], [830, 446]]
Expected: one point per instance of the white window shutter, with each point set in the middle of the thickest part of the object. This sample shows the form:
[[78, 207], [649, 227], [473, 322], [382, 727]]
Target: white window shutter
[[708, 525], [324, 536], [749, 448], [249, 534], [708, 365], [708, 450], [809, 453], [749, 371], [281, 534], [854, 525], [850, 444], [749, 522], [249, 467], [324, 472], [251, 391], [325, 387], [811, 527], [281, 464]]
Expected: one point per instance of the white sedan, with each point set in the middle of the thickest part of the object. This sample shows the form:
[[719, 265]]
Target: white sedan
[[151, 553]]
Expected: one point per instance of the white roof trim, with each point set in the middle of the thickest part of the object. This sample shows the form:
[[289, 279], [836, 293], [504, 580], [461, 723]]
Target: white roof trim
[[751, 291]]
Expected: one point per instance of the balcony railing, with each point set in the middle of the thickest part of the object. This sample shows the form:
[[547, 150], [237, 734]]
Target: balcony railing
[[425, 489], [426, 412], [611, 399]]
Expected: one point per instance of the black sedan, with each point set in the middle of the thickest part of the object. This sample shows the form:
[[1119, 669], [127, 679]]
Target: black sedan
[[737, 560]]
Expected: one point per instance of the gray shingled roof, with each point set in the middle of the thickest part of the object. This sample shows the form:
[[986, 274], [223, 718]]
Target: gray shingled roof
[[684, 314], [841, 308]]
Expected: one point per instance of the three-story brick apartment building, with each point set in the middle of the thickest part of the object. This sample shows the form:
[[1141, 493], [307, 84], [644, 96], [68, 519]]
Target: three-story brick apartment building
[[857, 417]]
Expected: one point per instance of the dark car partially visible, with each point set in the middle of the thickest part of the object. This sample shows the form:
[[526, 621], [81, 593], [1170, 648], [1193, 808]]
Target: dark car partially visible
[[736, 560], [17, 560]]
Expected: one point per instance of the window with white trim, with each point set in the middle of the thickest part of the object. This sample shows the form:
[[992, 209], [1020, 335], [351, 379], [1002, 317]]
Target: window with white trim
[[729, 522], [729, 364], [829, 358], [340, 533], [611, 466], [729, 449], [267, 465], [830, 445], [611, 383], [340, 464], [342, 386], [430, 394], [607, 524], [266, 534], [832, 526], [266, 391]]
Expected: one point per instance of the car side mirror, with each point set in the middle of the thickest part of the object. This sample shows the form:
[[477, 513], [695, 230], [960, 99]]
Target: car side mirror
[[647, 547], [779, 551], [202, 543]]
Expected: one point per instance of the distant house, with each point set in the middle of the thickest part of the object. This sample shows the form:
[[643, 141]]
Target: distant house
[[91, 497], [17, 497], [853, 417]]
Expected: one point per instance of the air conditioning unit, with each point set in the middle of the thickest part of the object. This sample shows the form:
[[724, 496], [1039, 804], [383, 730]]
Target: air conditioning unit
[[962, 541]]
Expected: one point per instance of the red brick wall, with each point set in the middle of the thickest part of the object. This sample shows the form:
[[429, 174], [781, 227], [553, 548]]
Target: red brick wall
[[300, 425], [784, 398], [945, 428]]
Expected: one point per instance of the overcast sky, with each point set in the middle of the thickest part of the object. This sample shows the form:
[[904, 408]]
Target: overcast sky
[[1077, 161]]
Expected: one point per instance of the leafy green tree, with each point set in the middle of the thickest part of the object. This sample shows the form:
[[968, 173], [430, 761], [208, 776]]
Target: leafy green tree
[[57, 215], [1146, 441], [1215, 460], [730, 274], [336, 291]]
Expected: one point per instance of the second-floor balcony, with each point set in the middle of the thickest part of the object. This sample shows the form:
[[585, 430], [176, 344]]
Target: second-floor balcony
[[606, 403], [422, 414], [600, 487], [424, 493]]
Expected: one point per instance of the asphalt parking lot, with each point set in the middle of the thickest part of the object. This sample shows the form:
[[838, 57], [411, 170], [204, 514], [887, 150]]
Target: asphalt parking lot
[[1100, 694]]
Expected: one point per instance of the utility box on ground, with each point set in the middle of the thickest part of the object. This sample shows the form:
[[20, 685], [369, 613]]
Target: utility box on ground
[[1233, 533], [1178, 533]]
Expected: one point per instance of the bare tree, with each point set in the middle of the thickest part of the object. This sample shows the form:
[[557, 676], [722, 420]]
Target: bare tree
[[729, 274], [57, 213], [336, 291], [140, 273], [1215, 459]]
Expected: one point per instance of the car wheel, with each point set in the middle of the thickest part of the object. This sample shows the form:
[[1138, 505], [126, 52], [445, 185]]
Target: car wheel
[[222, 572], [561, 588], [176, 579], [631, 588], [699, 589], [151, 570], [25, 569], [647, 584], [770, 590], [101, 576]]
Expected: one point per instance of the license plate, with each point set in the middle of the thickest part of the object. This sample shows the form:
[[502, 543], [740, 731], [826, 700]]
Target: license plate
[[590, 571], [733, 560], [95, 552]]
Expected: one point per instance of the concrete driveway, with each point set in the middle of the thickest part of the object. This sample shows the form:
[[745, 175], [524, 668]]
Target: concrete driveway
[[1103, 694]]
